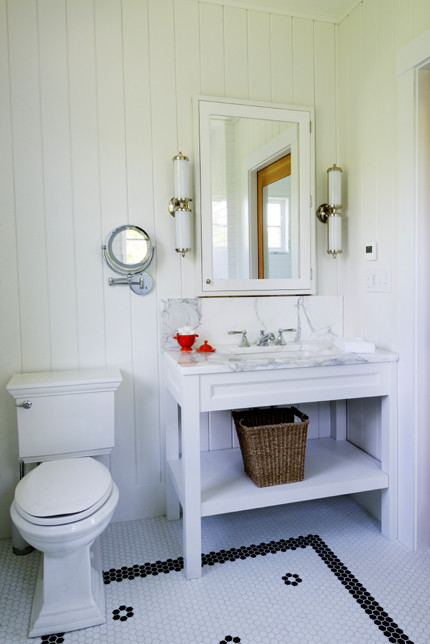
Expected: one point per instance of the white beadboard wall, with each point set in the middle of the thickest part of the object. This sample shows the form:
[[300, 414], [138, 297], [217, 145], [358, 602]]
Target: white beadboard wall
[[95, 100], [366, 43]]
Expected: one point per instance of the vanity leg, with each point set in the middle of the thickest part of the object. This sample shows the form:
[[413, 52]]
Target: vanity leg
[[389, 510], [173, 509], [191, 478]]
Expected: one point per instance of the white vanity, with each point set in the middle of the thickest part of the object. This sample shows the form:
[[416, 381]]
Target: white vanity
[[213, 482], [232, 205]]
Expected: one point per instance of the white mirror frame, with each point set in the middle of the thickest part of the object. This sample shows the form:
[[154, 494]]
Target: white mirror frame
[[204, 106]]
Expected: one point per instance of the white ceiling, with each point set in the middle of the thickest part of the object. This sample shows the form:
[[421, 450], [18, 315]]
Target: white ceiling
[[329, 10]]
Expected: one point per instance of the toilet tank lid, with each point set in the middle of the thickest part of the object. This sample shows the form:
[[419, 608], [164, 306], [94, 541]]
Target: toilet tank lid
[[66, 486], [60, 382]]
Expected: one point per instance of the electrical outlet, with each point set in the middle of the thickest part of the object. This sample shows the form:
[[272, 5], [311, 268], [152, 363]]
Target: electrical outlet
[[378, 281]]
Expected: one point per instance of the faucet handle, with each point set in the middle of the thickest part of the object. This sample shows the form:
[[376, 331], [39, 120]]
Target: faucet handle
[[244, 341], [280, 339]]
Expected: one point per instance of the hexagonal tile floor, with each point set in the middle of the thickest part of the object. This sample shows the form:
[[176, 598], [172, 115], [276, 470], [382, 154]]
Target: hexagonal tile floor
[[309, 573]]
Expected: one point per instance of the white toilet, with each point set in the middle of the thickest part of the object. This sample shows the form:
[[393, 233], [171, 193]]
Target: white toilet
[[63, 505]]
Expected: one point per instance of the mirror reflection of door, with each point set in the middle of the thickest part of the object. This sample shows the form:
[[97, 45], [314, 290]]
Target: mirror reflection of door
[[274, 219]]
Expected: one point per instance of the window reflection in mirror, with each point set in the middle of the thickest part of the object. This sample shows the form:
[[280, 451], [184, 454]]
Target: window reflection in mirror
[[244, 151], [130, 247], [277, 221]]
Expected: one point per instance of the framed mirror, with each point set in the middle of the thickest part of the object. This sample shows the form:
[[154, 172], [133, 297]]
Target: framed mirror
[[128, 250], [255, 189]]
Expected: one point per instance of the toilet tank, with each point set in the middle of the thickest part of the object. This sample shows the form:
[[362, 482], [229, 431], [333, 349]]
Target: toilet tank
[[65, 413]]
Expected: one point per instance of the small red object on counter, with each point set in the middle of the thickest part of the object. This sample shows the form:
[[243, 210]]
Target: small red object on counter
[[205, 347], [185, 341]]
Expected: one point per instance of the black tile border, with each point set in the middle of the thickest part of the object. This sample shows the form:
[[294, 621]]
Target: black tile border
[[371, 607]]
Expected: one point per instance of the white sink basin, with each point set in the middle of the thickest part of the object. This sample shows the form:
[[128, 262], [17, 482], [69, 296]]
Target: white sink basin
[[292, 350]]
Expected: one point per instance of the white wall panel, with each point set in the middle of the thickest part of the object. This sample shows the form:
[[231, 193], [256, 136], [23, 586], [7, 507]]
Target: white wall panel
[[326, 146], [57, 184], [281, 58], [29, 185], [303, 62], [85, 174], [259, 56], [236, 49], [187, 74], [100, 100], [164, 140], [145, 451], [212, 63], [10, 332]]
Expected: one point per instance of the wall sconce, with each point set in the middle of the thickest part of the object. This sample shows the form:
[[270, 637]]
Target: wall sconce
[[330, 213], [179, 204]]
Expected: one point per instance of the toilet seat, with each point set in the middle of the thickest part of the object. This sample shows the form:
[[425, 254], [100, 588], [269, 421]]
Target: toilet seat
[[63, 491]]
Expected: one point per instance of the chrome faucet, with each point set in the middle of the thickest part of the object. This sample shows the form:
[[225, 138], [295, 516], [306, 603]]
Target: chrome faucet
[[280, 339], [244, 342], [265, 338]]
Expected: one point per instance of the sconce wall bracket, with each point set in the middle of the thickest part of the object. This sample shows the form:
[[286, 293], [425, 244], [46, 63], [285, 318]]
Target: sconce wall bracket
[[324, 212], [181, 203]]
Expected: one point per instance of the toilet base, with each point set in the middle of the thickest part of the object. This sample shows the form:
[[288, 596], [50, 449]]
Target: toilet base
[[69, 595]]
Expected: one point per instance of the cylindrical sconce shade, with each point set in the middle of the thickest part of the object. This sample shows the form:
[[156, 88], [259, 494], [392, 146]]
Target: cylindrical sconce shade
[[334, 234], [181, 175], [183, 230], [334, 186]]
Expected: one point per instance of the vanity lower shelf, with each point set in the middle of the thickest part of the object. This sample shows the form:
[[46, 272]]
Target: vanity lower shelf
[[332, 468]]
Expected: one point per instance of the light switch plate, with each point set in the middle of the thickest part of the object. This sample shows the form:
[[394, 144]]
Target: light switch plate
[[378, 281]]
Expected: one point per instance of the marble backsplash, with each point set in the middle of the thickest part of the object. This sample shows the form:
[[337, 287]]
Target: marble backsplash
[[312, 317]]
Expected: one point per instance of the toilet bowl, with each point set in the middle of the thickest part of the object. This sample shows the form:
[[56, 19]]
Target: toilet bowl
[[60, 508], [65, 420]]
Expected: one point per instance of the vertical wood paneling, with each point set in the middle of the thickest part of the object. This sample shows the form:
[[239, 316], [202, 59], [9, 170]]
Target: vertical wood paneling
[[100, 101], [386, 331], [326, 145], [137, 105], [55, 122], [342, 88], [212, 63], [370, 134], [220, 430], [88, 230], [259, 56], [281, 58], [164, 124], [29, 193], [236, 52], [421, 16], [303, 62], [187, 73], [114, 211], [9, 312], [164, 130], [354, 107], [404, 22]]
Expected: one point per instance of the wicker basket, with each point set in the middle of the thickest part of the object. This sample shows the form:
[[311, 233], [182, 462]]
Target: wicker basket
[[272, 444]]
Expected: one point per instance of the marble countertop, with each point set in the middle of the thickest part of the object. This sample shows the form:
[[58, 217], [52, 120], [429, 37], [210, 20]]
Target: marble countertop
[[230, 358]]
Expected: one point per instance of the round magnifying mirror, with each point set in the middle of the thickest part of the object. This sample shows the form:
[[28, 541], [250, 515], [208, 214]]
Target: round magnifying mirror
[[128, 250]]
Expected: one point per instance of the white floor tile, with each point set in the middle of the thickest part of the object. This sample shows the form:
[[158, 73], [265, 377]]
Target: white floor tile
[[348, 585]]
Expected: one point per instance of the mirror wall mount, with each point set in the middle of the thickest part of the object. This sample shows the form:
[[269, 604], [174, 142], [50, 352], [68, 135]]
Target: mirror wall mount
[[255, 228], [179, 205], [129, 251], [331, 213]]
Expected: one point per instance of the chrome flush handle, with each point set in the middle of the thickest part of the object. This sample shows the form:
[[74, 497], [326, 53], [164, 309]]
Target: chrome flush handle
[[26, 404]]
